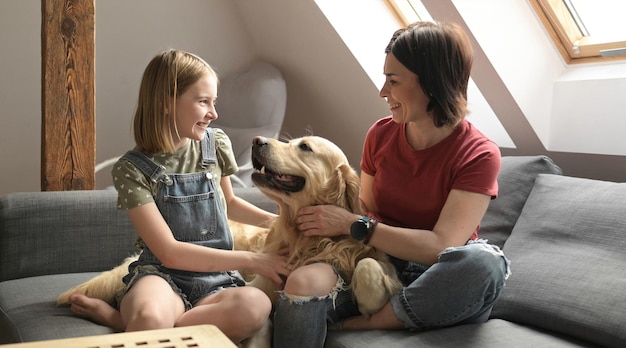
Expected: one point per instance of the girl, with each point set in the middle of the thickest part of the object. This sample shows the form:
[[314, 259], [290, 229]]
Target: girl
[[169, 186]]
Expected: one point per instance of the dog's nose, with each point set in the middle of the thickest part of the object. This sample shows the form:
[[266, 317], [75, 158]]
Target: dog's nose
[[259, 140]]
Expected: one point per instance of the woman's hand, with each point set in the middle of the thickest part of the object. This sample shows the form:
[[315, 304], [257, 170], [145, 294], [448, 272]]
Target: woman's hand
[[325, 220]]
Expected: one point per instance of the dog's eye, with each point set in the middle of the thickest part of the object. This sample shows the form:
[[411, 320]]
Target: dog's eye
[[305, 147]]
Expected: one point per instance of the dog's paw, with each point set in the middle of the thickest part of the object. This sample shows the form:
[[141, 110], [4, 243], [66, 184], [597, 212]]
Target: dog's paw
[[372, 286]]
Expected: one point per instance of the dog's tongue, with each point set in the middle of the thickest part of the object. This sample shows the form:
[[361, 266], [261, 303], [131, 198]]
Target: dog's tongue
[[282, 177], [287, 183], [281, 182]]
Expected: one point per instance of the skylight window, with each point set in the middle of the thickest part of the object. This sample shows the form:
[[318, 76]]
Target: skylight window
[[407, 11], [584, 30], [600, 18]]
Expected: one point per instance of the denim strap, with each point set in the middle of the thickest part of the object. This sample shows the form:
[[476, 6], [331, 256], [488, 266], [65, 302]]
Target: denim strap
[[145, 164], [209, 155]]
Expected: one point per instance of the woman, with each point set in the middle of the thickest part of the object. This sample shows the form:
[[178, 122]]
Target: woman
[[427, 178]]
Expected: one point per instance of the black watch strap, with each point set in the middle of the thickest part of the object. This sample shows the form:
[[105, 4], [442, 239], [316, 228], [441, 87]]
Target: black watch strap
[[370, 230]]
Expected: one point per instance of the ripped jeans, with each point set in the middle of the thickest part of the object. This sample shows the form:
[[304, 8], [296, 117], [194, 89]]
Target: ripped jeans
[[303, 321], [461, 288]]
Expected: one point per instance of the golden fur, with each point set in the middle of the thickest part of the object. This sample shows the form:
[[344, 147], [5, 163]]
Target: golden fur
[[312, 171], [302, 172]]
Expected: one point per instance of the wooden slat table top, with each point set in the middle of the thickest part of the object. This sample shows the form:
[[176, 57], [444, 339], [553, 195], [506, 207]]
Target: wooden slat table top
[[199, 336]]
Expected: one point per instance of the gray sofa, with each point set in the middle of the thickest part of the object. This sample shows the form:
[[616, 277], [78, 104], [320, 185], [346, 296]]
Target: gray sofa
[[565, 236]]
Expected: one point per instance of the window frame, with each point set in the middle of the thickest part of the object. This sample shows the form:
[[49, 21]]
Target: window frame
[[398, 8], [573, 46]]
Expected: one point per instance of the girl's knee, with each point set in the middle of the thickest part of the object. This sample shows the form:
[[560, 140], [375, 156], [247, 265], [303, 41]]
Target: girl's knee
[[254, 302], [152, 316]]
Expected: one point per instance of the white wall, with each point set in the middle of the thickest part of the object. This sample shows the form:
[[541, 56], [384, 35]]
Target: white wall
[[20, 95], [589, 110], [367, 42], [573, 108], [209, 28], [128, 35], [572, 113], [328, 89], [521, 53]]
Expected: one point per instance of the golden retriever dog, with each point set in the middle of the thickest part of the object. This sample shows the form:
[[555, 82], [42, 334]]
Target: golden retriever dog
[[308, 171], [304, 171]]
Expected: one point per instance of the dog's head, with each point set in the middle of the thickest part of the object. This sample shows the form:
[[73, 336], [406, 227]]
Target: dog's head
[[304, 171]]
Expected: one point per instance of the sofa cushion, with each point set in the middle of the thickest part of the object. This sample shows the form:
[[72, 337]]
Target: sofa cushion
[[516, 179], [29, 312], [568, 260], [494, 333]]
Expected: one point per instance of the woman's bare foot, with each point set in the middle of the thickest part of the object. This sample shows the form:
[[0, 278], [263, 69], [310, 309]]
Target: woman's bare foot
[[96, 310]]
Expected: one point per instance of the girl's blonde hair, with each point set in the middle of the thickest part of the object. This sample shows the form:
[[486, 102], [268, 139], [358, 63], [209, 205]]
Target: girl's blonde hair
[[167, 76]]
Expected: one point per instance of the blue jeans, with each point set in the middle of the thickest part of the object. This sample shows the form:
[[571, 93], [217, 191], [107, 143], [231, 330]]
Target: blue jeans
[[461, 288]]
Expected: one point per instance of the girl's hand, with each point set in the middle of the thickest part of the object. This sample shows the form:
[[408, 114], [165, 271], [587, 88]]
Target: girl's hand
[[272, 266], [325, 220]]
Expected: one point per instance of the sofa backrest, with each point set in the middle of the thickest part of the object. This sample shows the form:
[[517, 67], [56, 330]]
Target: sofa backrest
[[62, 232], [252, 103], [568, 261], [516, 179]]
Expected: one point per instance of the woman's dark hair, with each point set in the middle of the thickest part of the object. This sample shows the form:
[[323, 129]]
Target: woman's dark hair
[[441, 55]]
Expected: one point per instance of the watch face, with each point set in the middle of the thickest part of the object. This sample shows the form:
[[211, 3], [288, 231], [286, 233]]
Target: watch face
[[358, 230]]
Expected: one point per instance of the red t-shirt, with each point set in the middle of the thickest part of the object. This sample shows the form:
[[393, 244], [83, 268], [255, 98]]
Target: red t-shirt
[[410, 187]]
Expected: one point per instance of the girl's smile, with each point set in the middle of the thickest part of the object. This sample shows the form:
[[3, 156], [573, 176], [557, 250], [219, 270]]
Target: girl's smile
[[195, 109]]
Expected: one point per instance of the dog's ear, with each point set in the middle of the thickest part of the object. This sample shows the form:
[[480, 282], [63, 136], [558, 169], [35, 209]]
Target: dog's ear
[[351, 186]]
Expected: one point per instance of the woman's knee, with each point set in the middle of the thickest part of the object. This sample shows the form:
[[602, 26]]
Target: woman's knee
[[483, 266], [477, 257], [317, 279]]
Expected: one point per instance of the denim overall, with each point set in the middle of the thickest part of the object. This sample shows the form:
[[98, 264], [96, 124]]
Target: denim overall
[[191, 206]]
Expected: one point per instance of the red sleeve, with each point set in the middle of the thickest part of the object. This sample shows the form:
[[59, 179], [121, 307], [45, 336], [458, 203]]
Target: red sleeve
[[478, 173]]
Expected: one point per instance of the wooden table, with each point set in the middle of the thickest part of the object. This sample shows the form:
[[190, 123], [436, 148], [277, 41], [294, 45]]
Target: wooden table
[[179, 337]]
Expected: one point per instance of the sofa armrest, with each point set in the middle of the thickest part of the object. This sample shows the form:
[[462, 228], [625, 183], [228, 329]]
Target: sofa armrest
[[45, 233]]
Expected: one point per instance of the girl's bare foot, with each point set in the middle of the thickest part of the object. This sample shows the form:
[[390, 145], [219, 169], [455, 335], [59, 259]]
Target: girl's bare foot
[[96, 310]]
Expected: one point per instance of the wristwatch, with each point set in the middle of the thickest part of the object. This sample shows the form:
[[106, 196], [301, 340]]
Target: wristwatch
[[362, 229]]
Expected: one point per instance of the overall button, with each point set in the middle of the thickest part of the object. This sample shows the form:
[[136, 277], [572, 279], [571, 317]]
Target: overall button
[[209, 176], [168, 181]]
